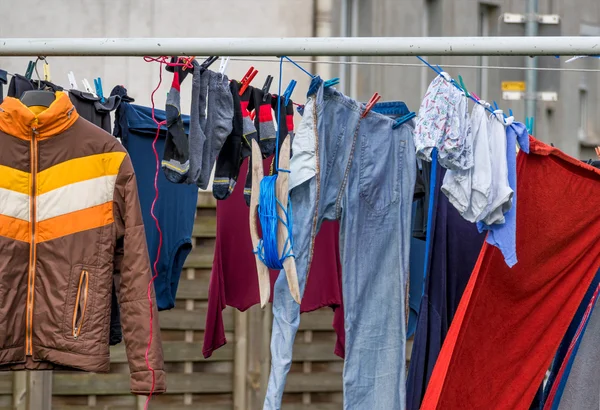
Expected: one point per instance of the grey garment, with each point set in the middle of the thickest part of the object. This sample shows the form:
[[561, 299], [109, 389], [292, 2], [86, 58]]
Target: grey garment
[[176, 155], [197, 137], [365, 179], [219, 122], [582, 391]]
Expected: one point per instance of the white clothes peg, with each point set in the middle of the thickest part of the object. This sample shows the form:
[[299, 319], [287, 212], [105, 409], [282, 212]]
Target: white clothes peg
[[223, 66], [88, 88], [72, 81]]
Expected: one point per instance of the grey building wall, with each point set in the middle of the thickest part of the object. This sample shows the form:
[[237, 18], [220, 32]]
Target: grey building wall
[[154, 18], [571, 123]]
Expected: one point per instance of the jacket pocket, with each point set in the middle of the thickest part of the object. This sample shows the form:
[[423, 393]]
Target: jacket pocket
[[81, 300]]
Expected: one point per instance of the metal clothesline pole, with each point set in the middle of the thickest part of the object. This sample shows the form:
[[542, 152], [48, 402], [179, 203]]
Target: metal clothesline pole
[[299, 46]]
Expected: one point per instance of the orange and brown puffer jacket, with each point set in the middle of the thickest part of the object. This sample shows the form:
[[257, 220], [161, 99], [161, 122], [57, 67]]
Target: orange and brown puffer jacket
[[69, 217]]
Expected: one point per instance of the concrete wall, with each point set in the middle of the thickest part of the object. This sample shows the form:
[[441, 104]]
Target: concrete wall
[[154, 18], [556, 122]]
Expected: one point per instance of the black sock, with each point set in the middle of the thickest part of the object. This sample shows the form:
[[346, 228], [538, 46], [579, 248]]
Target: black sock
[[263, 121], [176, 155], [230, 156], [282, 126], [250, 134]]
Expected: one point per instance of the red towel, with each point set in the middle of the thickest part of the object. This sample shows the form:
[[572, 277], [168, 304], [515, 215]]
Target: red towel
[[510, 321]]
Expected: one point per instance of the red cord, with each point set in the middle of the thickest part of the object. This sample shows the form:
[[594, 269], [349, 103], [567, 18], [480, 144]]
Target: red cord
[[162, 60]]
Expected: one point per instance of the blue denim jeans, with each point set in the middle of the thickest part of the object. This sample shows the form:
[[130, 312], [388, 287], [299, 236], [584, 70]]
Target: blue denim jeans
[[365, 176]]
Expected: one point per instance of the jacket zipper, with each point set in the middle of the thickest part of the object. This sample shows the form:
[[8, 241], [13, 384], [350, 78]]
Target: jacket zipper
[[32, 250], [79, 311]]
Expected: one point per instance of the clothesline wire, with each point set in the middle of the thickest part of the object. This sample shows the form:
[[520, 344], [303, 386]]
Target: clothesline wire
[[374, 63]]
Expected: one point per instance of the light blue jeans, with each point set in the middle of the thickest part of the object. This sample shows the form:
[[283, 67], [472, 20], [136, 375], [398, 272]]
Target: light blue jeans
[[365, 178]]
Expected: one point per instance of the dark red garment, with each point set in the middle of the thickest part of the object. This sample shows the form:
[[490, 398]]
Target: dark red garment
[[234, 281], [510, 321]]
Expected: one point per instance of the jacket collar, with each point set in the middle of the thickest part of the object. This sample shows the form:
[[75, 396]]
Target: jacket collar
[[18, 120]]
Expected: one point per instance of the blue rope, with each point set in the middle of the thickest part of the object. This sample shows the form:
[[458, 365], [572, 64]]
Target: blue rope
[[268, 205], [269, 220], [297, 65], [432, 195]]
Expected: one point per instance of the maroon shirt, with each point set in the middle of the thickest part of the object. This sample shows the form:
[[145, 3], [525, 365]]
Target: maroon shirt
[[234, 280]]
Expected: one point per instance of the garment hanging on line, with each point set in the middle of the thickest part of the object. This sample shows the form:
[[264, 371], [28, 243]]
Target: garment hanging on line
[[69, 331], [502, 307], [366, 180], [176, 206], [455, 246]]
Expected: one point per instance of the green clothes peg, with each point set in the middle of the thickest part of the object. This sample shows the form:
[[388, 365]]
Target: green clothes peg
[[462, 85]]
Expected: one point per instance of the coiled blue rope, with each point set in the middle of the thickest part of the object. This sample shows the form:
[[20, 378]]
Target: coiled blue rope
[[268, 206]]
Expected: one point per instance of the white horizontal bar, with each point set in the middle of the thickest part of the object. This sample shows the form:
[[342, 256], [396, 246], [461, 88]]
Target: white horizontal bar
[[298, 46]]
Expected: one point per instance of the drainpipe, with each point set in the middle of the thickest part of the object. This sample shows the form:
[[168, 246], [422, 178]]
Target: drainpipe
[[344, 32], [531, 29]]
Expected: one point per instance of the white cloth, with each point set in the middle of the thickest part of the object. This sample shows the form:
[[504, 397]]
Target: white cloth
[[303, 164], [500, 200], [469, 190], [443, 123]]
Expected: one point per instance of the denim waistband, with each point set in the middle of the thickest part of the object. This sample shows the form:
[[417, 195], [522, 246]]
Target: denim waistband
[[391, 108], [387, 109]]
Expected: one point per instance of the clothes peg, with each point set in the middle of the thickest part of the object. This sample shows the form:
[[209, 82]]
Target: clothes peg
[[247, 79], [204, 66], [463, 86], [223, 66], [403, 119], [266, 87], [29, 71], [598, 152], [46, 71], [529, 124], [187, 62], [332, 82], [510, 112], [376, 97], [288, 91], [87, 87], [72, 81], [98, 87]]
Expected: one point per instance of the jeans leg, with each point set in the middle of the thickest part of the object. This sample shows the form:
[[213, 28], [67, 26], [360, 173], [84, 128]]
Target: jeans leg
[[375, 256], [286, 312]]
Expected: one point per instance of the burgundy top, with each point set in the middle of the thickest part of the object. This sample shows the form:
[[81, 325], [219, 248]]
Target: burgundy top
[[234, 280]]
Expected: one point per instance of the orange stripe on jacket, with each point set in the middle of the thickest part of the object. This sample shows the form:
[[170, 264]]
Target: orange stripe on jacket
[[68, 224], [14, 228]]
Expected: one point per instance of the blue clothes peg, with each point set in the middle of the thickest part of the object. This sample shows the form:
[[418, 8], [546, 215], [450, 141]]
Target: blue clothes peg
[[98, 86], [332, 82], [529, 124], [403, 119], [287, 94]]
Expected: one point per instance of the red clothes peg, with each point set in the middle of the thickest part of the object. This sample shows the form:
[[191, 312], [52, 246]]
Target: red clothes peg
[[376, 97], [188, 62], [247, 79]]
